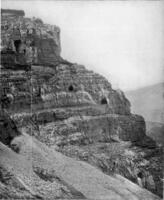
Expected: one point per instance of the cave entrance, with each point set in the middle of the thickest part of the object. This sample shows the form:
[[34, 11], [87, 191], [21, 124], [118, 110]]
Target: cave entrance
[[71, 88], [104, 101], [140, 175], [17, 44]]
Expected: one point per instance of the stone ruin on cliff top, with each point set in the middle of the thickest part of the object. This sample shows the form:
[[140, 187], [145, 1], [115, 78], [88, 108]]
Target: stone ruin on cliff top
[[28, 41]]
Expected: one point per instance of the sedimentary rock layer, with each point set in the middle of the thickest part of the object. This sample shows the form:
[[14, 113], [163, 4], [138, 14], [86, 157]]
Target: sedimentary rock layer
[[67, 107]]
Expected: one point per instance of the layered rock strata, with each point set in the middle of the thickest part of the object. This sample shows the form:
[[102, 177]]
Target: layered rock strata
[[62, 104]]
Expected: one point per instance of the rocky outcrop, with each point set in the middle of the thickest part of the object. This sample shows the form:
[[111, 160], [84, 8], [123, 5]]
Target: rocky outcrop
[[8, 129], [70, 109]]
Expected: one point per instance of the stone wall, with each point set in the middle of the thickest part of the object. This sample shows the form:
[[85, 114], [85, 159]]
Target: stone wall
[[28, 41], [8, 12]]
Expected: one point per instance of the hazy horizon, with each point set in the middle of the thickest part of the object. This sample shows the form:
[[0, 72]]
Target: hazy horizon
[[124, 40]]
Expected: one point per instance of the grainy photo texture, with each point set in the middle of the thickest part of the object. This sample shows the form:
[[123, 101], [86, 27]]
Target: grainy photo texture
[[81, 100]]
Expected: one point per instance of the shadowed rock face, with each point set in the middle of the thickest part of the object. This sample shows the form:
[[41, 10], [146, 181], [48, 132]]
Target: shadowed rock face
[[8, 129], [67, 107]]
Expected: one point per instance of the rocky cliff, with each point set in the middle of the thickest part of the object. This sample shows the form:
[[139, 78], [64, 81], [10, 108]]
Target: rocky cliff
[[69, 108]]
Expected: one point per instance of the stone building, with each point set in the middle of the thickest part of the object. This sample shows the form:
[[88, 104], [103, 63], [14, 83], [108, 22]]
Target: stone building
[[28, 41]]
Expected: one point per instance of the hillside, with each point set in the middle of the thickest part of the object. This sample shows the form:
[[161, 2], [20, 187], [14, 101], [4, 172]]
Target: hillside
[[148, 102], [52, 176]]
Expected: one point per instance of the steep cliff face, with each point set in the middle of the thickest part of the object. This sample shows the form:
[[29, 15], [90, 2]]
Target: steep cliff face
[[61, 86], [64, 105]]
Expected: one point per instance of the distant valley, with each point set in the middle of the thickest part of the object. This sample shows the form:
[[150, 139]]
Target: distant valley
[[148, 102]]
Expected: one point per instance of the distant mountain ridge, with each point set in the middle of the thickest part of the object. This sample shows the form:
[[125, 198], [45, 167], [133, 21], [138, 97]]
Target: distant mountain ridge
[[155, 130], [148, 102]]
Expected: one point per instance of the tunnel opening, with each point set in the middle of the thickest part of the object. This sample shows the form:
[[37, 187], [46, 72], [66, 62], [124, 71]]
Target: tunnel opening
[[17, 44], [71, 88], [104, 101], [140, 175]]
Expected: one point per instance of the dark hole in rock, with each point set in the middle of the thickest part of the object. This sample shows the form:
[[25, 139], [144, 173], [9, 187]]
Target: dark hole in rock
[[5, 124], [44, 121], [140, 175], [54, 115], [104, 101], [71, 88], [17, 44], [39, 92]]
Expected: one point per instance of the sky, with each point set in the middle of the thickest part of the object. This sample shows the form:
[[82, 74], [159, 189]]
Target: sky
[[122, 40]]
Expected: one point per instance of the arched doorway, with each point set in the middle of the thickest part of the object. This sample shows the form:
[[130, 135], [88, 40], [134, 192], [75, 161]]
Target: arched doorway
[[17, 44], [104, 101], [71, 88]]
